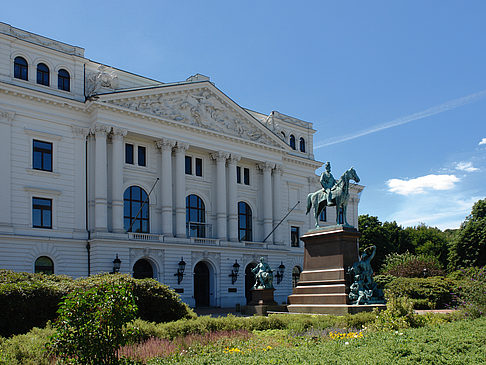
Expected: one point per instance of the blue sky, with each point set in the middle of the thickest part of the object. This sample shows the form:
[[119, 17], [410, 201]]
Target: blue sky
[[410, 74]]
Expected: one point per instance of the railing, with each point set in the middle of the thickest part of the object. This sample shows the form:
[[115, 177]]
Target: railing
[[205, 241], [199, 230], [145, 237]]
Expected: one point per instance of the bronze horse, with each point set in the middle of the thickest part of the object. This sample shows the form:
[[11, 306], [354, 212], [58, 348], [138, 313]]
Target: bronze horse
[[340, 196]]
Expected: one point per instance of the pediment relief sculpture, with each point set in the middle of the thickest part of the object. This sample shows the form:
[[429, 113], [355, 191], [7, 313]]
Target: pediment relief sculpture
[[199, 108]]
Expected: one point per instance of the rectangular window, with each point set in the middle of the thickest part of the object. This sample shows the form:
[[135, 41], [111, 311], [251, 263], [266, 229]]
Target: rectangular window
[[340, 216], [41, 213], [42, 158], [198, 167], [294, 236], [246, 176], [188, 165], [323, 215], [141, 156], [129, 153], [238, 174]]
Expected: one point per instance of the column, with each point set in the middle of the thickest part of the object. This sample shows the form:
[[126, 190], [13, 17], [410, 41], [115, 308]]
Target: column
[[6, 119], [117, 179], [180, 188], [101, 189], [266, 168], [221, 218], [232, 198], [277, 197], [166, 146], [79, 160]]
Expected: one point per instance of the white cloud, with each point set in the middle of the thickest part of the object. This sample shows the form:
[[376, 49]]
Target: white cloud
[[466, 166], [483, 141], [421, 184]]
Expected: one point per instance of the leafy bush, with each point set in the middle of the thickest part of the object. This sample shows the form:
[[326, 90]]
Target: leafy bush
[[89, 329], [27, 349], [411, 266], [472, 297], [30, 300], [425, 293]]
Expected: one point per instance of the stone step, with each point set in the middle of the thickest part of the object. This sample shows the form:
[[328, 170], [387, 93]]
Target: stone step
[[320, 289], [326, 274], [333, 309], [318, 298], [320, 282]]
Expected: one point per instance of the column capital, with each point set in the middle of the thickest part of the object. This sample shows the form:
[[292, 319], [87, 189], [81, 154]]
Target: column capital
[[220, 156], [6, 116], [99, 129], [165, 144], [181, 146], [233, 159], [121, 132], [79, 132], [313, 180], [278, 169], [266, 166]]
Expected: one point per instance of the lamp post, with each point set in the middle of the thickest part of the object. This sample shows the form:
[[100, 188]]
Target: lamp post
[[234, 272], [116, 265], [280, 272], [180, 270]]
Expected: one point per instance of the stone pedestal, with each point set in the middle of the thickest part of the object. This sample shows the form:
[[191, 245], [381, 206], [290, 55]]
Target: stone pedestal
[[262, 302], [322, 288]]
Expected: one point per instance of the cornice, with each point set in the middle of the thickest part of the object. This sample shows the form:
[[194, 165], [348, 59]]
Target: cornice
[[302, 161]]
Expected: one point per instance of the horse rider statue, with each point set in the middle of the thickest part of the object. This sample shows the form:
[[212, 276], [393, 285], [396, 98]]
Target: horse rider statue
[[263, 275], [328, 182]]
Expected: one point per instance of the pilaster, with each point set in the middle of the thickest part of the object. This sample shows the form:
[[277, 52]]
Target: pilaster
[[180, 187], [166, 146], [221, 218], [277, 197], [117, 179], [79, 158], [232, 198], [266, 168]]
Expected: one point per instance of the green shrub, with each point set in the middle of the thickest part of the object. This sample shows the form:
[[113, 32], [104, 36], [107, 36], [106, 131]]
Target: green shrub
[[411, 266], [27, 349], [472, 294], [89, 329], [30, 300], [427, 293]]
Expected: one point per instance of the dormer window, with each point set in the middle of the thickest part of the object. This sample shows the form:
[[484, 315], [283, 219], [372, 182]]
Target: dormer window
[[302, 144], [21, 68], [43, 74], [292, 141], [63, 80]]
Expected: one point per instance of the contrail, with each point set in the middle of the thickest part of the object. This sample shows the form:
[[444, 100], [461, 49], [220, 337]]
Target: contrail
[[449, 105]]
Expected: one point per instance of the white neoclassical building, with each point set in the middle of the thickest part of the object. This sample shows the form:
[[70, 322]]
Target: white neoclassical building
[[99, 163]]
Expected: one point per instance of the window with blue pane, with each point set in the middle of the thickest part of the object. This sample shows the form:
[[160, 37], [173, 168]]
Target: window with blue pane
[[21, 69], [323, 215], [245, 232], [302, 144], [43, 74], [41, 213], [341, 216], [63, 80], [135, 212], [195, 216], [292, 141], [42, 155]]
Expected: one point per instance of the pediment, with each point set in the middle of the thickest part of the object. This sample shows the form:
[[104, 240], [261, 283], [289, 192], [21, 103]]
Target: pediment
[[201, 107]]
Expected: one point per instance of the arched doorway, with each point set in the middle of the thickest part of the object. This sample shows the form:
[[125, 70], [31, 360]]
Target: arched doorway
[[201, 284], [143, 269], [249, 280]]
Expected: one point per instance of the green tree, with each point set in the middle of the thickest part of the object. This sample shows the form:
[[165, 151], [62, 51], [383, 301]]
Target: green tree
[[372, 233], [429, 241], [468, 248]]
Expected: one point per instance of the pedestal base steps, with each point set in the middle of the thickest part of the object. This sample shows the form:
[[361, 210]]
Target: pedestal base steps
[[262, 302], [322, 288]]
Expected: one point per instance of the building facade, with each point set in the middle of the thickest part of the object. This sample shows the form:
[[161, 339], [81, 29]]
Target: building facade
[[99, 163]]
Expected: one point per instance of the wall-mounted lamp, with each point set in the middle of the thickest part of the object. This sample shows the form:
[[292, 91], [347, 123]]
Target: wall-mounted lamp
[[116, 265], [180, 270], [280, 272], [234, 272]]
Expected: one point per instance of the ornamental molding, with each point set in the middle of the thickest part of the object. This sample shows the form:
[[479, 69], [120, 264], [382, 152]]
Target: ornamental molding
[[165, 144], [234, 159], [220, 156], [105, 77], [201, 108], [100, 129], [212, 257], [117, 131], [266, 166], [80, 132], [6, 116]]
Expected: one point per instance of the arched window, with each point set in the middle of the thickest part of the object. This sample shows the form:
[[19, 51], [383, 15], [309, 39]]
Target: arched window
[[295, 275], [283, 135], [44, 265], [302, 144], [292, 142], [63, 80], [21, 69], [323, 215], [134, 218], [43, 74], [340, 216], [244, 222], [195, 216]]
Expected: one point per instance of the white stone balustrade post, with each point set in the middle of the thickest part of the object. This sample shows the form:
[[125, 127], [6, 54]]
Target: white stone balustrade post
[[166, 146], [221, 218], [79, 150], [117, 179], [277, 197], [101, 177], [266, 168], [232, 198], [180, 187]]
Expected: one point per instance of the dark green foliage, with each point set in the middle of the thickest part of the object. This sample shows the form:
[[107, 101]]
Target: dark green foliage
[[429, 241], [89, 329], [30, 300], [373, 234], [472, 293], [411, 266], [468, 248], [27, 349], [433, 292], [399, 314]]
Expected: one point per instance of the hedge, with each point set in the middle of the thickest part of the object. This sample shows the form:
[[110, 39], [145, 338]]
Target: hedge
[[30, 300]]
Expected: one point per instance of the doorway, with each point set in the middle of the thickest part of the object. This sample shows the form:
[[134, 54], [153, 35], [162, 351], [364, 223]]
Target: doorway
[[143, 269], [201, 284], [249, 280]]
